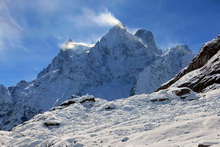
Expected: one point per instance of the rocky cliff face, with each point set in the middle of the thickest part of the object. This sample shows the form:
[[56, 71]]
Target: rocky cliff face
[[107, 70], [203, 72]]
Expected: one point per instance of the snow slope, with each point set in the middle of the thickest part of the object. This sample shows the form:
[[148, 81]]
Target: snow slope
[[158, 119], [109, 69]]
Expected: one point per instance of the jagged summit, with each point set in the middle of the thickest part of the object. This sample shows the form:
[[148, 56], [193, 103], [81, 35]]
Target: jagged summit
[[115, 36], [163, 69], [181, 48], [148, 39], [70, 40], [117, 28], [146, 36]]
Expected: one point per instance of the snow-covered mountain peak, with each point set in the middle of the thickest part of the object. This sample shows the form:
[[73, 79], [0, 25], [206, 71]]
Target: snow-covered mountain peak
[[147, 38], [121, 54], [116, 36], [120, 25], [163, 69], [117, 28], [182, 48]]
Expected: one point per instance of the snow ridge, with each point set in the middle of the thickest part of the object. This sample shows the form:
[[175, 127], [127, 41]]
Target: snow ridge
[[163, 69], [140, 120]]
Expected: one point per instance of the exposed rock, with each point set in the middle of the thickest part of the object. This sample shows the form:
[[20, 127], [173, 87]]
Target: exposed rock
[[183, 97], [207, 66], [109, 107], [203, 145], [159, 100], [125, 139], [181, 92], [67, 103], [148, 39], [51, 124], [57, 108], [207, 144], [88, 100], [207, 76]]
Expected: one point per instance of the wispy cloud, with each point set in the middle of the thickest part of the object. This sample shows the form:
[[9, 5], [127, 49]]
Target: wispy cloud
[[27, 26], [89, 17], [10, 30], [75, 45]]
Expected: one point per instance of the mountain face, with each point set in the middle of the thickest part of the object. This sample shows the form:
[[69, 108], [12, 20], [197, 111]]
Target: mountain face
[[113, 68], [163, 69], [203, 72]]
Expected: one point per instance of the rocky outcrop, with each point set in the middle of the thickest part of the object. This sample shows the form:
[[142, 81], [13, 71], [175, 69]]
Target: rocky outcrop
[[203, 71], [208, 75], [51, 124]]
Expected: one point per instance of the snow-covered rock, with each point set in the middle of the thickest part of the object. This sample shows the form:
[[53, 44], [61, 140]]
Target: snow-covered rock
[[160, 71], [203, 72], [5, 95], [148, 39]]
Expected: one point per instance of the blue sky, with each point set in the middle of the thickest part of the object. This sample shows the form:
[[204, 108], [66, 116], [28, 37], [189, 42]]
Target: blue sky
[[32, 31]]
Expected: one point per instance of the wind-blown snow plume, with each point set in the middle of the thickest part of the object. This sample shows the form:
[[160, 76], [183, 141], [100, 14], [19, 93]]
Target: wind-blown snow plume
[[106, 18], [75, 45], [92, 18]]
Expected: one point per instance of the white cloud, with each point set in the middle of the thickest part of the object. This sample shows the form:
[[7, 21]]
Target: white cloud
[[132, 30], [104, 19], [10, 30], [75, 45], [91, 18]]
